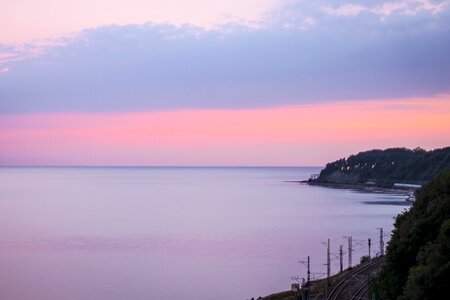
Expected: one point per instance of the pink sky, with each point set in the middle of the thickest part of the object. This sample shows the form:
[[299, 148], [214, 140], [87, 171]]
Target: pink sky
[[25, 20], [296, 135], [152, 90]]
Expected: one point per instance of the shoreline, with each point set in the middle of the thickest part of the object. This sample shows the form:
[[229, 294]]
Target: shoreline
[[408, 192]]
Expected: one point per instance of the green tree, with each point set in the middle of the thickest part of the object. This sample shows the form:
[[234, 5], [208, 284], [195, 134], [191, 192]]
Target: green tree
[[418, 257]]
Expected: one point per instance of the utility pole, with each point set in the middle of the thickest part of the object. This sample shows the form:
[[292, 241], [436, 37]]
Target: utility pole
[[328, 263], [350, 249], [308, 274], [327, 244], [381, 242], [308, 268], [341, 258], [370, 244]]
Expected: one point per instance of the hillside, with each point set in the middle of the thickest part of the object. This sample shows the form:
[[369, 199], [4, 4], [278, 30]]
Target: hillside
[[418, 255], [386, 167]]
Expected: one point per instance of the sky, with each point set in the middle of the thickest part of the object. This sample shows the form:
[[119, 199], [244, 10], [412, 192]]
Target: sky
[[233, 83]]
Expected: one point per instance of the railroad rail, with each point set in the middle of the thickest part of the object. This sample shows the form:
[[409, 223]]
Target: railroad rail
[[337, 290], [359, 294]]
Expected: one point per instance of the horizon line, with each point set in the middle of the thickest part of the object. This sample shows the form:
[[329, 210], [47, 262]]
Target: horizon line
[[152, 166]]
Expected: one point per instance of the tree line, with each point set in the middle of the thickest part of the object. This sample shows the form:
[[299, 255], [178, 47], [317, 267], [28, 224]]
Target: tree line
[[418, 254], [386, 167]]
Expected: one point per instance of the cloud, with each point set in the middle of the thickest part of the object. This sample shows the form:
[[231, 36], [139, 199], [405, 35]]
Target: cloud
[[26, 20], [409, 7], [17, 52], [298, 55], [345, 10]]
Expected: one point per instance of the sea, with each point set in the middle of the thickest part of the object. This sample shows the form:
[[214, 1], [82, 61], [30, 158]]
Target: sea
[[125, 233]]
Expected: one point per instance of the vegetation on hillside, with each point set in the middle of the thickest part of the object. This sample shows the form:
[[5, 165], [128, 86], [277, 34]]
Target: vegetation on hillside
[[386, 167], [418, 257]]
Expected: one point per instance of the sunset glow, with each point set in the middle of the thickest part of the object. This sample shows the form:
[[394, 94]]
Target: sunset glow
[[271, 82], [295, 135], [222, 141]]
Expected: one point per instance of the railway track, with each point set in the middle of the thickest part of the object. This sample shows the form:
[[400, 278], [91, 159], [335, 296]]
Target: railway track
[[341, 286], [359, 294]]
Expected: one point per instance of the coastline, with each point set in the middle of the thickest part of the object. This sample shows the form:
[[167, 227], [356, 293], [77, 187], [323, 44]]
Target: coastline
[[407, 192], [363, 187]]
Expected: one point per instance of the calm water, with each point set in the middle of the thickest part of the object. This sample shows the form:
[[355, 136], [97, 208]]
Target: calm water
[[173, 233]]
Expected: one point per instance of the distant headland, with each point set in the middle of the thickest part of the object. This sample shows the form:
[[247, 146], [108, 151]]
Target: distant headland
[[389, 168]]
